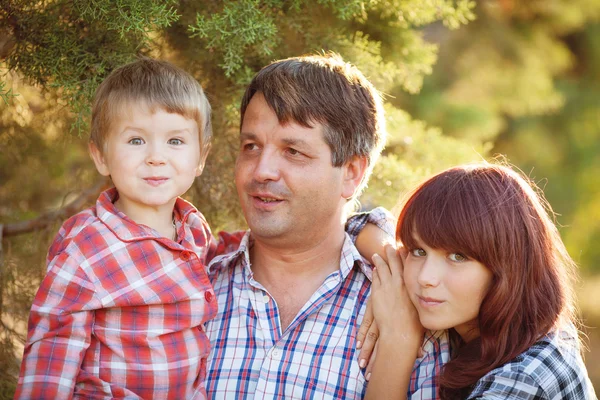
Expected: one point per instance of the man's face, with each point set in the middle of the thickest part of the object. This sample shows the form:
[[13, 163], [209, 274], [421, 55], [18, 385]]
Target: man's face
[[288, 188]]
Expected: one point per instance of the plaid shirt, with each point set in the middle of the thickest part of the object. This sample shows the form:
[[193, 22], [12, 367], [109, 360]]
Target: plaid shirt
[[120, 311], [424, 382], [315, 357], [550, 369]]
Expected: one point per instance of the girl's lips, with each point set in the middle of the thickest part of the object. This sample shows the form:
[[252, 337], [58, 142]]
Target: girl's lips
[[429, 301]]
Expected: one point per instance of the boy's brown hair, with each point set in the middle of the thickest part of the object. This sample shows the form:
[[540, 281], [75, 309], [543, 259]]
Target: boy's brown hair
[[154, 84], [327, 90]]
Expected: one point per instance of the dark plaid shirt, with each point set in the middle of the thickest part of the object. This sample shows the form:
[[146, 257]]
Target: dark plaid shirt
[[550, 369]]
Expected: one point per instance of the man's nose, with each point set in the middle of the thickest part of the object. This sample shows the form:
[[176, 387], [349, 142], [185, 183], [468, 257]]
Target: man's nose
[[267, 167]]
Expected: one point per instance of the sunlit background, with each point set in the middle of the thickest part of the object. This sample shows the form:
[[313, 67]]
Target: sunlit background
[[463, 81]]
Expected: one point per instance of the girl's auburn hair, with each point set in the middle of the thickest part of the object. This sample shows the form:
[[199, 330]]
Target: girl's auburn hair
[[496, 216]]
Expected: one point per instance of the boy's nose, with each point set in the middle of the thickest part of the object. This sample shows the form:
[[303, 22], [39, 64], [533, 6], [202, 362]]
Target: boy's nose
[[155, 156]]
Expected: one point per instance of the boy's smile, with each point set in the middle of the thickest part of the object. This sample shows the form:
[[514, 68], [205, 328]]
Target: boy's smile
[[152, 158]]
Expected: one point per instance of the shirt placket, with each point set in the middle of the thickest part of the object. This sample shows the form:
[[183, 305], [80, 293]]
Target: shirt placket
[[270, 384]]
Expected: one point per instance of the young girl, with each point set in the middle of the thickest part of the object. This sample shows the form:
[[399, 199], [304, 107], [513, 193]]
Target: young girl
[[484, 261]]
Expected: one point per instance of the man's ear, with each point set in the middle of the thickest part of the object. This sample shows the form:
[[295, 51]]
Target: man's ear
[[98, 158], [354, 172]]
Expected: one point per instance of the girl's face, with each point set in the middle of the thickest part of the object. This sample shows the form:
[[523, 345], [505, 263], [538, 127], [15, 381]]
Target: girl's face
[[446, 288]]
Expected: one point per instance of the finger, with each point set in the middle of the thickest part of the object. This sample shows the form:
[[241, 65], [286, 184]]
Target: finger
[[403, 252], [383, 270], [395, 264], [371, 362], [368, 345], [366, 324]]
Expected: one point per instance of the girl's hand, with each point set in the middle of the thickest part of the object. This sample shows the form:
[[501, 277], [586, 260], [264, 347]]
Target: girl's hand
[[396, 317]]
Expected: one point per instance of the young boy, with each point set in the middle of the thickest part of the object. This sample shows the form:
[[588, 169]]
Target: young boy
[[120, 312]]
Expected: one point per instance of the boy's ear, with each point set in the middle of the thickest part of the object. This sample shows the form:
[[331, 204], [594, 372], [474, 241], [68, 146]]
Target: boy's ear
[[200, 169], [98, 158], [354, 172]]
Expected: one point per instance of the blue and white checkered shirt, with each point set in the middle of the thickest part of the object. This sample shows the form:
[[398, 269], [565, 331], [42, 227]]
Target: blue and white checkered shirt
[[550, 369], [315, 357]]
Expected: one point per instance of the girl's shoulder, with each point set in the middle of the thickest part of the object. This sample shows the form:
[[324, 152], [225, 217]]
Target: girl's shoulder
[[551, 368]]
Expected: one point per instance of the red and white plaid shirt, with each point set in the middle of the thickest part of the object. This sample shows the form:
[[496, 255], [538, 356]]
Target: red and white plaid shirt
[[121, 310]]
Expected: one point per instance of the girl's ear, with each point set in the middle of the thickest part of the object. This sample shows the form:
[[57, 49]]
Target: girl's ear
[[98, 158]]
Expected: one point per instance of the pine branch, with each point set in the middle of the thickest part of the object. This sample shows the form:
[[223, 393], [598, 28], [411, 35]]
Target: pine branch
[[44, 220]]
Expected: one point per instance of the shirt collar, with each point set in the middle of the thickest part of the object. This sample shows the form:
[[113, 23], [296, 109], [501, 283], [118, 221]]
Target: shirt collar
[[348, 259], [124, 227]]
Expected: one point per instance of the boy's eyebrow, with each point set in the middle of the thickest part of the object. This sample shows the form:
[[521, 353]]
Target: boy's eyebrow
[[142, 130]]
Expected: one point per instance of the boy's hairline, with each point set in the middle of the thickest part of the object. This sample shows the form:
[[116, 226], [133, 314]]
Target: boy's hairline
[[125, 105]]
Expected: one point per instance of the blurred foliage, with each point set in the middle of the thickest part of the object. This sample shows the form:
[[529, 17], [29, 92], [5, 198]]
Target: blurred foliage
[[517, 78], [524, 76]]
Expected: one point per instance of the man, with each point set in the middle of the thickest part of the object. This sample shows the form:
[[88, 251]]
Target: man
[[292, 297]]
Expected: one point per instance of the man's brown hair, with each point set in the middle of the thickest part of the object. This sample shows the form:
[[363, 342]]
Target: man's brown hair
[[327, 90], [154, 84]]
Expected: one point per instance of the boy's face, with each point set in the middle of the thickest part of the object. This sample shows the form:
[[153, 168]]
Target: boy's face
[[151, 158]]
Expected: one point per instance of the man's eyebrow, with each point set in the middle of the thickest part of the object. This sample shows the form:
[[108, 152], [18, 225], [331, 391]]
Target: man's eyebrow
[[295, 142], [247, 136]]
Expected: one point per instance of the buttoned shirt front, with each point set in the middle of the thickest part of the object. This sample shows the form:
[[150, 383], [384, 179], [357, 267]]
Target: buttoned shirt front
[[315, 356], [121, 310]]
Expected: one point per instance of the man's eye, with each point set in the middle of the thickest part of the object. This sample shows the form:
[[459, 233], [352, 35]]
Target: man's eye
[[175, 141], [457, 257], [249, 146], [418, 252], [293, 152], [136, 141]]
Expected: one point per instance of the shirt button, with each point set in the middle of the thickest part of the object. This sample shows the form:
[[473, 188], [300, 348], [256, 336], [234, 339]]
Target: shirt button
[[276, 354], [185, 255], [208, 296], [266, 299]]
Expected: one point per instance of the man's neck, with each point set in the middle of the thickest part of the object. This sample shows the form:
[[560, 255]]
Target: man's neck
[[292, 275]]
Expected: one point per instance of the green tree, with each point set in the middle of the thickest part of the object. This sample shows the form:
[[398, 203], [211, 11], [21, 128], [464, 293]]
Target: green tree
[[54, 53]]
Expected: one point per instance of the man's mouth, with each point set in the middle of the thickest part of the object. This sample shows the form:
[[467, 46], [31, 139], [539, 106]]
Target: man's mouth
[[267, 199]]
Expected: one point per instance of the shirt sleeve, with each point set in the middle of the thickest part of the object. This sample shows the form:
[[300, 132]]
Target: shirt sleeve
[[59, 332], [424, 380], [379, 216]]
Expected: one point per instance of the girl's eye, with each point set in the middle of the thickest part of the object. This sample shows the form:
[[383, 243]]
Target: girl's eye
[[457, 257], [136, 141], [418, 252], [175, 142]]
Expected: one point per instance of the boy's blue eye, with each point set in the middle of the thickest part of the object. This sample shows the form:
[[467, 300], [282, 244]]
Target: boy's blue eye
[[175, 141], [136, 141]]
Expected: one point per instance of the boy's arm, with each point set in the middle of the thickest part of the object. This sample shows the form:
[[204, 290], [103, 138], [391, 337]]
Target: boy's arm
[[59, 333]]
